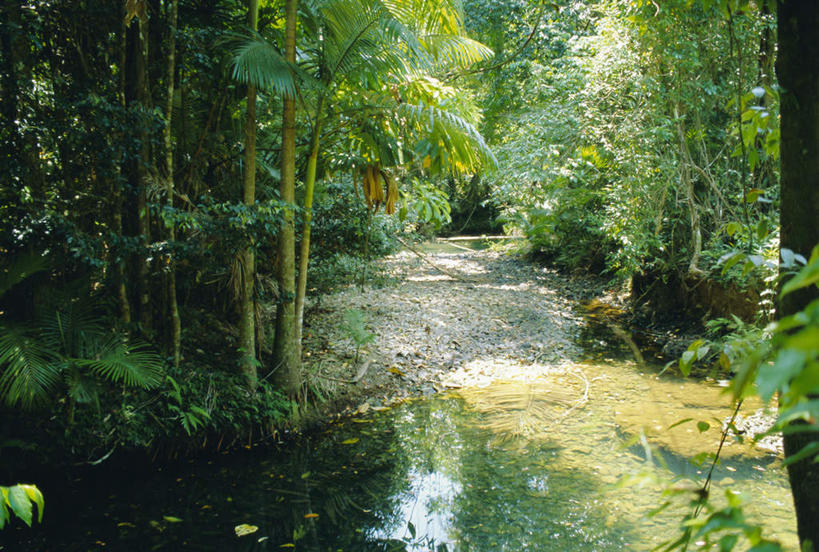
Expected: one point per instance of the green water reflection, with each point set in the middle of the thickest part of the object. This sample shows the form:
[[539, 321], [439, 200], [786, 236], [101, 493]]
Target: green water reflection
[[442, 473]]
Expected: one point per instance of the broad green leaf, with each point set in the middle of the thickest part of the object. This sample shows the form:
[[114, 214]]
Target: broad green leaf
[[766, 546], [806, 382], [806, 340], [20, 504], [732, 228], [753, 194], [36, 497], [804, 278], [703, 426], [685, 362], [772, 377]]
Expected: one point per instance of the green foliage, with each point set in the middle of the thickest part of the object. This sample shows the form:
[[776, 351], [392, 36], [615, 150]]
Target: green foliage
[[781, 360], [191, 418], [341, 230], [19, 500], [355, 327], [68, 347], [425, 204], [614, 142]]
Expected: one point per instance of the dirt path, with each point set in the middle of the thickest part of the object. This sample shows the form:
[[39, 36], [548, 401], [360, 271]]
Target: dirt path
[[515, 321]]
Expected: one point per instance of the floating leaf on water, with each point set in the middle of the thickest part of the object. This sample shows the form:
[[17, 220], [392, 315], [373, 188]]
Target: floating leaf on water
[[310, 516], [125, 524], [172, 519], [288, 545], [206, 507], [245, 529], [350, 441], [262, 539], [305, 475]]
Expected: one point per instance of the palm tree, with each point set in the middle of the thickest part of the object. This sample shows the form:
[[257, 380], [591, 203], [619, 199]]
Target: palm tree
[[361, 55], [68, 349]]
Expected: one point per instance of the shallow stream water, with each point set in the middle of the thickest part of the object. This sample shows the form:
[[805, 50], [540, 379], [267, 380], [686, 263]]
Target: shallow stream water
[[493, 468], [512, 465]]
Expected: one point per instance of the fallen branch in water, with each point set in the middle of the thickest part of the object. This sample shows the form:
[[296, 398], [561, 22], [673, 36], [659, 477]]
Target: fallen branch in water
[[622, 334]]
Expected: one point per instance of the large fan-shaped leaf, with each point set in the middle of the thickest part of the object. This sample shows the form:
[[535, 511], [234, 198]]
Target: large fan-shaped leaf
[[132, 365], [28, 370]]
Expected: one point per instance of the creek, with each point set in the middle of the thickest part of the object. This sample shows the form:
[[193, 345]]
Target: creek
[[477, 469], [498, 464]]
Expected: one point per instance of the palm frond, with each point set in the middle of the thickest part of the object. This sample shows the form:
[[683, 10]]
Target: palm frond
[[28, 370], [455, 134], [120, 362], [258, 63], [429, 16], [72, 330], [456, 50], [20, 268], [362, 41]]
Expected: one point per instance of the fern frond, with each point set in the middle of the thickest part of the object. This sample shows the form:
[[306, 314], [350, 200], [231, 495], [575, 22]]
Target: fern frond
[[28, 370], [133, 365]]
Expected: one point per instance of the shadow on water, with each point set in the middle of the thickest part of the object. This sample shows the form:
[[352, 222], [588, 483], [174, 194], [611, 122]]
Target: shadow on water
[[426, 475]]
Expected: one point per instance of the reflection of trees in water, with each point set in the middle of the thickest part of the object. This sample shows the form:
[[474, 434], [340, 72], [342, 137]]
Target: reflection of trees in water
[[437, 460]]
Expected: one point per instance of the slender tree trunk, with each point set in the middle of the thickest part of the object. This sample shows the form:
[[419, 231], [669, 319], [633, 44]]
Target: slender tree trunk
[[285, 349], [798, 70], [686, 162], [304, 257], [173, 306], [137, 92], [247, 328], [116, 191]]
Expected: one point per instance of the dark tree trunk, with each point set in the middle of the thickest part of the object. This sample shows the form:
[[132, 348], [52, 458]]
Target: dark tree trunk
[[173, 305], [137, 93], [797, 68]]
